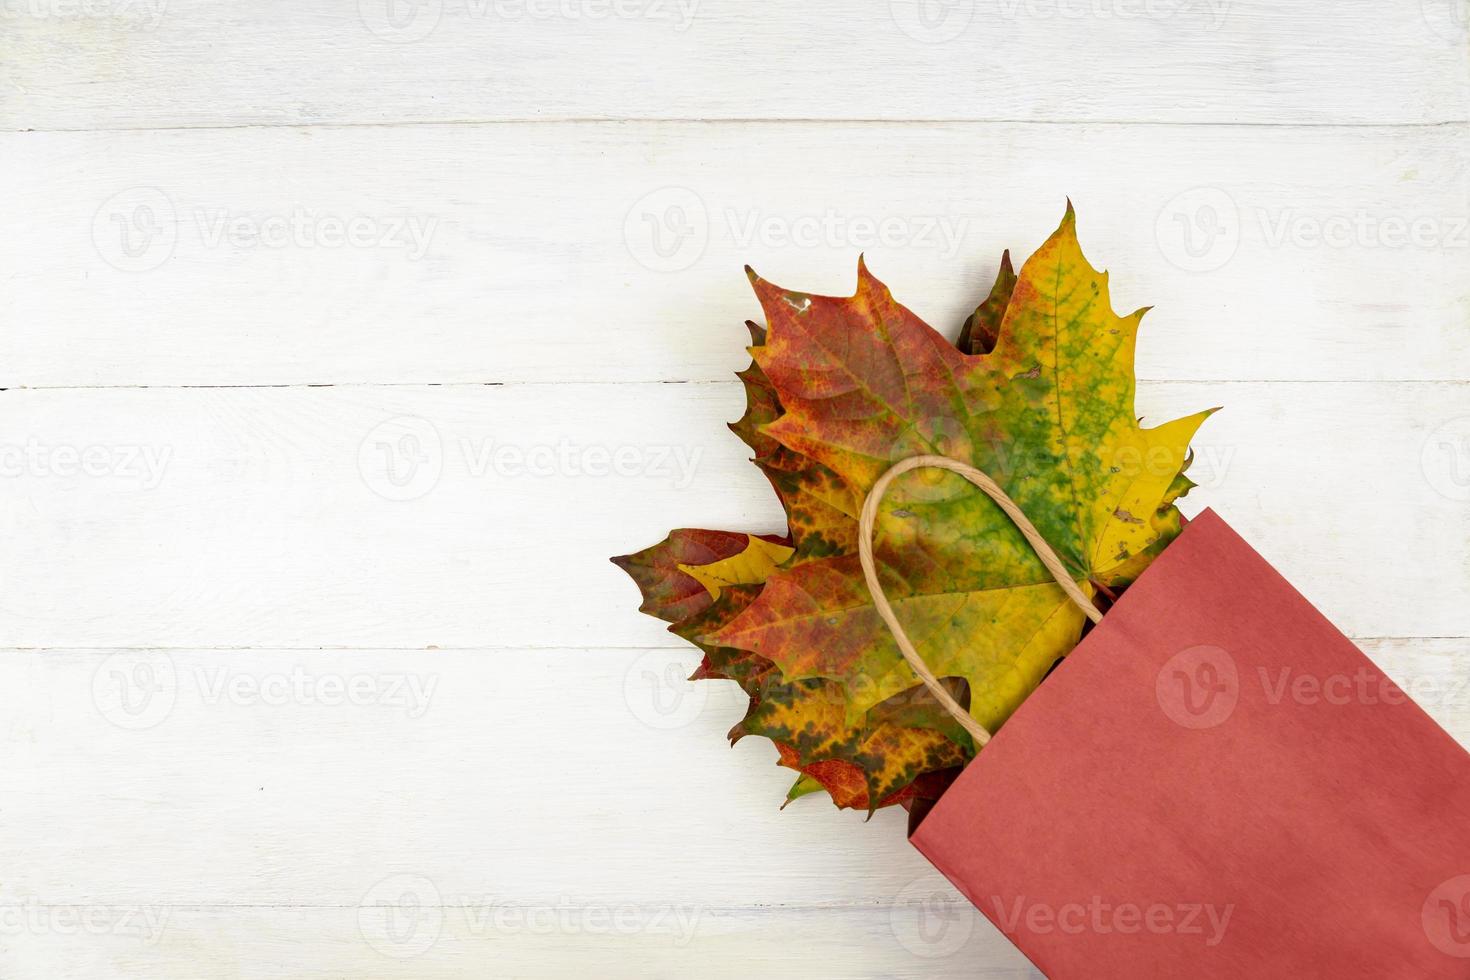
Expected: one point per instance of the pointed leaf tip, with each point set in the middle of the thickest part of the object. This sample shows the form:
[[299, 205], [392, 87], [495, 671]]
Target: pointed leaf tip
[[869, 284]]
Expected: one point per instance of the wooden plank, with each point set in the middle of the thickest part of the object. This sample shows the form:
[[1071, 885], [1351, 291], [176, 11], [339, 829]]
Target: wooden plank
[[466, 516], [483, 771], [613, 252], [151, 63], [305, 779], [940, 938]]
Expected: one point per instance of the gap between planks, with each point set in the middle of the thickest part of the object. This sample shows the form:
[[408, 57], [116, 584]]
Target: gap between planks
[[747, 121], [1449, 382], [492, 648]]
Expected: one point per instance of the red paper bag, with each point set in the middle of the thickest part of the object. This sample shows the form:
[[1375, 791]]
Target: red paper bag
[[1216, 783]]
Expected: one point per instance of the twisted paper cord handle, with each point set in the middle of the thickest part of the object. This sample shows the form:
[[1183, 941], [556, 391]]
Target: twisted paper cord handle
[[880, 601]]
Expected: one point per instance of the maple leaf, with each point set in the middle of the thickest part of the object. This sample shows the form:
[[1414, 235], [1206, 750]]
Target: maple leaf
[[863, 766], [837, 391], [669, 592], [1048, 412], [752, 565], [880, 757], [981, 330], [821, 510]]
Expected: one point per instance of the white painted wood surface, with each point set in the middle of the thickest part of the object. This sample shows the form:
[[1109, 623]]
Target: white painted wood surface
[[151, 63], [612, 252], [313, 663]]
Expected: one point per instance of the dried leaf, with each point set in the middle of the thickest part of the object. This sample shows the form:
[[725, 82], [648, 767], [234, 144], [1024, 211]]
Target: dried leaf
[[751, 566], [1048, 413], [981, 330], [1039, 394], [670, 593]]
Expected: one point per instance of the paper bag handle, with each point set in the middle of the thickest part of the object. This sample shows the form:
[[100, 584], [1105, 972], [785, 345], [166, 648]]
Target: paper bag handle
[[880, 601]]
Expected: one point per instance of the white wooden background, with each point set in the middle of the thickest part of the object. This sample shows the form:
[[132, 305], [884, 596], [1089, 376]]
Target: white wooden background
[[343, 341]]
